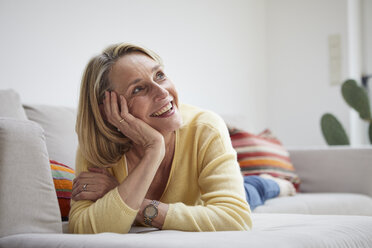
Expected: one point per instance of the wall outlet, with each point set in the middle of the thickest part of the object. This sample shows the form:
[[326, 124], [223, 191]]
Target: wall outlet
[[335, 59]]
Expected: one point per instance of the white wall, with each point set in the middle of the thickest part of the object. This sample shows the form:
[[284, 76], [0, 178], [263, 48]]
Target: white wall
[[367, 42], [299, 89], [213, 50], [263, 61], [367, 37]]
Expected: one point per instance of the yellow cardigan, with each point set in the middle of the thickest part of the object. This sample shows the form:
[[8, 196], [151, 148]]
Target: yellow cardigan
[[204, 191]]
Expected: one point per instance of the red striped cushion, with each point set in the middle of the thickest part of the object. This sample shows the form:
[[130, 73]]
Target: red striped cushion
[[62, 178], [263, 153]]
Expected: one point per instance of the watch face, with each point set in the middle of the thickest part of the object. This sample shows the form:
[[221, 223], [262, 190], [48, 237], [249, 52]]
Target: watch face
[[150, 211]]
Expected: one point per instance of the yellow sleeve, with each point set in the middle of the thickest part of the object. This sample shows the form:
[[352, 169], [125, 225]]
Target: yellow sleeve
[[108, 214], [221, 186]]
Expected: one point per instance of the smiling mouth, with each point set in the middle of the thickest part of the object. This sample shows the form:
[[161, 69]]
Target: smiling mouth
[[164, 111]]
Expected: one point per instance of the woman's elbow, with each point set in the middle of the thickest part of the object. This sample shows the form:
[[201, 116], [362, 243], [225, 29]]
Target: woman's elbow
[[242, 221]]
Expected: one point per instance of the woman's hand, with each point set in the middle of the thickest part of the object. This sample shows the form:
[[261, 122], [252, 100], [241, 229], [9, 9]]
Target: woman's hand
[[135, 129], [93, 185]]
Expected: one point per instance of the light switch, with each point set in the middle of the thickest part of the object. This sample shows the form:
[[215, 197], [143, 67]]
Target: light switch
[[335, 59]]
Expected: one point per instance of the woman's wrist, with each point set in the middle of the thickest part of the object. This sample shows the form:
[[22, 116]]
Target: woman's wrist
[[156, 152], [159, 220]]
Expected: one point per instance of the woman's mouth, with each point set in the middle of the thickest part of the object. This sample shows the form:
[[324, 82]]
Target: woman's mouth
[[165, 111]]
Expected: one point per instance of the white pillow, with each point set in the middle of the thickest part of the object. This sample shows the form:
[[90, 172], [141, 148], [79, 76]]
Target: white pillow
[[28, 200]]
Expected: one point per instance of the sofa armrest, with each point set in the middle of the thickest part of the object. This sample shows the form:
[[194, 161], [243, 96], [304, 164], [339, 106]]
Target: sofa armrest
[[334, 169]]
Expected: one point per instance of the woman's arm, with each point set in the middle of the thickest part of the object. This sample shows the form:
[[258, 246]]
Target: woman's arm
[[223, 206], [106, 214], [124, 200], [135, 186]]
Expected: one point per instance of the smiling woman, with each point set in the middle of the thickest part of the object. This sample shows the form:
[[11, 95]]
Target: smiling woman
[[146, 159], [151, 96]]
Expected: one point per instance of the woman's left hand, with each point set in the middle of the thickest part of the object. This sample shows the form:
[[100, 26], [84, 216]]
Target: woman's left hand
[[93, 185]]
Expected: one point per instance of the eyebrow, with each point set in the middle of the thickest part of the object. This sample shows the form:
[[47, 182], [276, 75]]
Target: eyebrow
[[139, 79]]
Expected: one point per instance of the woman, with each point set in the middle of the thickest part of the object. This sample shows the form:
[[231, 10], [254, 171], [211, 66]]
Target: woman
[[144, 157]]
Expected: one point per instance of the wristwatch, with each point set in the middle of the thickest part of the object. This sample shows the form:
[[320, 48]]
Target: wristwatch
[[150, 212]]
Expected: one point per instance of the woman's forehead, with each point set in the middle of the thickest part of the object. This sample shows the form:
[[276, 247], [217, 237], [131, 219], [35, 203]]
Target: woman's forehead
[[132, 67], [135, 61]]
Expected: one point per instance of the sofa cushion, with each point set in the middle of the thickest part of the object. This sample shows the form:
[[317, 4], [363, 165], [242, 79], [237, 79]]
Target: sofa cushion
[[28, 200], [10, 105], [269, 230], [262, 154], [59, 126], [63, 176], [319, 203]]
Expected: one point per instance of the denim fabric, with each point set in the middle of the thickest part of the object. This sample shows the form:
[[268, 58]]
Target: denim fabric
[[258, 190]]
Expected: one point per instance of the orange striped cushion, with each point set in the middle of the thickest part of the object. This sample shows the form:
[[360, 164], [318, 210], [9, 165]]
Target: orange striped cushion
[[62, 178], [263, 153]]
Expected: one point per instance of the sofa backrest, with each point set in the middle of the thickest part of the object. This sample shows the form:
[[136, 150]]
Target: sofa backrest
[[59, 130], [10, 105]]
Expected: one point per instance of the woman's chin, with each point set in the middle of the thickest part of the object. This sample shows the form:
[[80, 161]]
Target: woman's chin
[[168, 125]]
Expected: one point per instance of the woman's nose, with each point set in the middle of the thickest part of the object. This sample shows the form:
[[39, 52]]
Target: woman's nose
[[160, 92]]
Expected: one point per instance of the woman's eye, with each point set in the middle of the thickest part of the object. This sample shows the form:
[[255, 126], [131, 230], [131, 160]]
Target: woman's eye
[[160, 75], [137, 89]]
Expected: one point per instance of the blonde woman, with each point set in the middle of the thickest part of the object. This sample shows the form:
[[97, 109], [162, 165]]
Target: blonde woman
[[145, 158]]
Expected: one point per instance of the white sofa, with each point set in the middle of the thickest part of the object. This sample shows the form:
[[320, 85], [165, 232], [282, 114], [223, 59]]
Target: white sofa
[[334, 208]]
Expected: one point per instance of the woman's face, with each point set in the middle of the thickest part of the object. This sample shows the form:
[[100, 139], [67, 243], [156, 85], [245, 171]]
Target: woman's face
[[150, 95]]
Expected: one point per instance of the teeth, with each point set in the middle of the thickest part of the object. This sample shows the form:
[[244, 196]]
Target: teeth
[[163, 110]]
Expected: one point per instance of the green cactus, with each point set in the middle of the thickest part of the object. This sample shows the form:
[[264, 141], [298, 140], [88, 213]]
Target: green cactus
[[333, 131], [357, 98]]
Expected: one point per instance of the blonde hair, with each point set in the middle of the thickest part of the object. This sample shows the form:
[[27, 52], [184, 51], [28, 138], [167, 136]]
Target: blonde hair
[[99, 142]]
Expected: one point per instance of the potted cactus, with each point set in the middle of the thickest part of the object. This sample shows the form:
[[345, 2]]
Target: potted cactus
[[357, 98]]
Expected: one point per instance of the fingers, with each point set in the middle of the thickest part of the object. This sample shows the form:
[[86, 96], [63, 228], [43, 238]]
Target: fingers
[[98, 181], [123, 106], [115, 106], [87, 192], [78, 186], [112, 111], [75, 191], [111, 108], [125, 110]]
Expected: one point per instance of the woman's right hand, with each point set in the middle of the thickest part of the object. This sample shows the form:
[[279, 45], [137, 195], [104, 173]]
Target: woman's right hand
[[135, 129]]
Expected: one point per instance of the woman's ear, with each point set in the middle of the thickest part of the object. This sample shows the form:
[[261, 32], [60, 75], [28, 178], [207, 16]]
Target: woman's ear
[[102, 110]]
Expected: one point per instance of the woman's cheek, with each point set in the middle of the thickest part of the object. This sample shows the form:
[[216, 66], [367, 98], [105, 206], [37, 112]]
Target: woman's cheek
[[136, 108], [133, 104]]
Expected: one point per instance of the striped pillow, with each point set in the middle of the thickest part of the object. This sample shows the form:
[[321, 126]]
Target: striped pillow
[[263, 153], [62, 178]]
